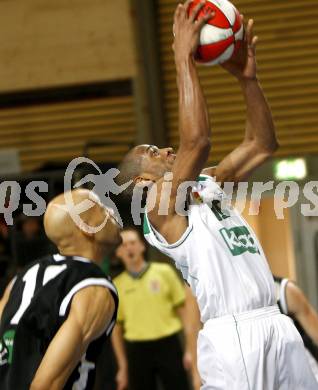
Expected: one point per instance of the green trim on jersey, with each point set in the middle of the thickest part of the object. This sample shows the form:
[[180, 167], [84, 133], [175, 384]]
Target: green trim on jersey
[[146, 227], [6, 347], [148, 230], [203, 178], [220, 213]]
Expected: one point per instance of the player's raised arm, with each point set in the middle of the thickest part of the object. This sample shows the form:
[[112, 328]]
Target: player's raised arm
[[260, 141], [194, 129], [91, 311]]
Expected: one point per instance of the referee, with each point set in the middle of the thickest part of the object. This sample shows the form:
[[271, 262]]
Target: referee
[[151, 312]]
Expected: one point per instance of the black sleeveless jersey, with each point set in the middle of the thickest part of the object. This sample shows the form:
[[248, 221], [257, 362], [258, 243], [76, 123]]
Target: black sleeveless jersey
[[282, 304], [38, 305]]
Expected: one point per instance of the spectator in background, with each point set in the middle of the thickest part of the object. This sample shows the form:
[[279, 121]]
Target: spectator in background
[[30, 227], [150, 317], [4, 265], [5, 255], [4, 239], [30, 240]]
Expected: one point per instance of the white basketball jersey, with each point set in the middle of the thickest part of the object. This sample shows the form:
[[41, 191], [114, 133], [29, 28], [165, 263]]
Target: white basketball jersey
[[218, 255]]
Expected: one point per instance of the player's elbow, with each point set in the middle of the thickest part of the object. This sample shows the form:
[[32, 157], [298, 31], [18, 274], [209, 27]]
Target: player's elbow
[[267, 150], [272, 147], [205, 144]]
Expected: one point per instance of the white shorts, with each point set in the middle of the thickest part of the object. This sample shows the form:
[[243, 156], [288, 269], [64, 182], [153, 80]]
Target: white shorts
[[256, 350]]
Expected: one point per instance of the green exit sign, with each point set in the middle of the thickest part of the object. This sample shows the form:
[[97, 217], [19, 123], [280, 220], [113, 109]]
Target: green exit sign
[[290, 169]]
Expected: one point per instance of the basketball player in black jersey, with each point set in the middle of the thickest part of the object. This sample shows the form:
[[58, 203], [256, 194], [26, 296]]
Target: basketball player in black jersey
[[56, 314], [293, 302]]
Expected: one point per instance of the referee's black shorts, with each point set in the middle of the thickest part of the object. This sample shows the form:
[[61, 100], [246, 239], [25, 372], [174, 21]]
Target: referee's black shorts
[[150, 361]]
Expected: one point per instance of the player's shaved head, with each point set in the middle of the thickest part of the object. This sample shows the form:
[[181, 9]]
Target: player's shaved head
[[58, 223], [70, 237], [130, 168]]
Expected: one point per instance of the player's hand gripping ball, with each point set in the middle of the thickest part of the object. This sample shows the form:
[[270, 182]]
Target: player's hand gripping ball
[[222, 35]]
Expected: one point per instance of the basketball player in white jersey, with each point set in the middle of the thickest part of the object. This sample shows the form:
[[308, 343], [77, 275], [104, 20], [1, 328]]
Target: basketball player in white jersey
[[245, 343]]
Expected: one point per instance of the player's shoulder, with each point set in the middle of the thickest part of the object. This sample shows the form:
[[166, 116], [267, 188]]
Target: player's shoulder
[[93, 293], [86, 266], [81, 271]]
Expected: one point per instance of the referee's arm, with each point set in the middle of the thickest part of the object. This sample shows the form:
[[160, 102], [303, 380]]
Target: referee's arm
[[190, 329], [91, 311], [190, 317]]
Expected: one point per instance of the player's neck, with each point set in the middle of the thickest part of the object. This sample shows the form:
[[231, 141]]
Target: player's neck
[[95, 255]]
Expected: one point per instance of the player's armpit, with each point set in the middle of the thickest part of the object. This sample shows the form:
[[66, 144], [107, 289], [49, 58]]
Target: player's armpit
[[91, 311]]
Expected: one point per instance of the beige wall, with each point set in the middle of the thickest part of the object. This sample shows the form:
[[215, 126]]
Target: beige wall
[[275, 236], [60, 42]]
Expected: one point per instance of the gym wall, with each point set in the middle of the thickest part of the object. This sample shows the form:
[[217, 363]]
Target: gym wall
[[58, 132], [57, 43], [48, 48]]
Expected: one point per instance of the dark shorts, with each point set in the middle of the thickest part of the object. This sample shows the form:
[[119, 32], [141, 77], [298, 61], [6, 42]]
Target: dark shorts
[[153, 361]]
